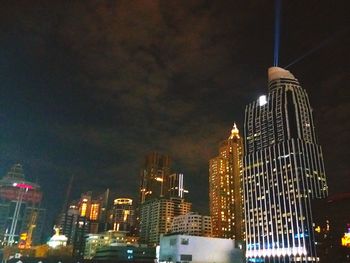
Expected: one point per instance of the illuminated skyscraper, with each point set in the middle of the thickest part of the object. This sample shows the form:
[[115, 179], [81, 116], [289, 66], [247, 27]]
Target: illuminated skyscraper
[[154, 176], [122, 215], [21, 217], [176, 185], [225, 189], [84, 216], [283, 172]]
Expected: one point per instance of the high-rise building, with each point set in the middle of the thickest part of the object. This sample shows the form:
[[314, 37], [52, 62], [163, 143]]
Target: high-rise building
[[161, 198], [122, 215], [225, 189], [21, 216], [68, 221], [154, 176], [176, 185], [156, 217], [283, 173], [84, 216], [192, 224]]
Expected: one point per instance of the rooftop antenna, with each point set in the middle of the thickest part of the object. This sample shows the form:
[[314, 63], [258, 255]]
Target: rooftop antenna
[[278, 5]]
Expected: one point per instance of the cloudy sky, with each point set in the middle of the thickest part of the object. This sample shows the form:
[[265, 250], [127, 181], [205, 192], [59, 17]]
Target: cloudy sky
[[89, 87]]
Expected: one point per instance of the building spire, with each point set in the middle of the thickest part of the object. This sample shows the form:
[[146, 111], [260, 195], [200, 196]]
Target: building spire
[[234, 131]]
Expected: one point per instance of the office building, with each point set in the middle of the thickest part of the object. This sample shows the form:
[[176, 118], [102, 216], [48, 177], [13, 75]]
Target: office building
[[192, 224], [283, 173], [225, 189]]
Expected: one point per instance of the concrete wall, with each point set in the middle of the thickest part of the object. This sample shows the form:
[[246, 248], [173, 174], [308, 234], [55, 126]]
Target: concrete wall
[[195, 249]]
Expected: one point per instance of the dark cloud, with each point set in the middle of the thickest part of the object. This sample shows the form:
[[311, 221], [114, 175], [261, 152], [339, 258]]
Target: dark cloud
[[91, 86]]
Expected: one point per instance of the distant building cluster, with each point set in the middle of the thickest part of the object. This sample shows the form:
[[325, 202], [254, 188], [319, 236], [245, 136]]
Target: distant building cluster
[[265, 185], [162, 198]]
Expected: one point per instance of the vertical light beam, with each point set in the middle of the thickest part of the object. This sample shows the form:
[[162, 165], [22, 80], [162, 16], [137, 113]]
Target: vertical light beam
[[277, 32]]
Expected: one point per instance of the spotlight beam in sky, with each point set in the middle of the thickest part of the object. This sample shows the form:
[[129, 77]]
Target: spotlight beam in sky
[[319, 46], [277, 32]]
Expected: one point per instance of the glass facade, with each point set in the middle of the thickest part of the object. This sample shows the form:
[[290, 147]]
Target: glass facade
[[283, 172]]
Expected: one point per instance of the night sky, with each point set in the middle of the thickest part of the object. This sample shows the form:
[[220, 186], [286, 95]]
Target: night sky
[[89, 87]]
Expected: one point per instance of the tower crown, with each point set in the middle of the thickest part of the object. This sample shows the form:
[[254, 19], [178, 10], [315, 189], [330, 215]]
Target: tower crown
[[234, 131], [279, 73]]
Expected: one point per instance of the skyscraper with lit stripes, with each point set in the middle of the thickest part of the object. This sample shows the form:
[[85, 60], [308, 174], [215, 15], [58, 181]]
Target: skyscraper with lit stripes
[[283, 173]]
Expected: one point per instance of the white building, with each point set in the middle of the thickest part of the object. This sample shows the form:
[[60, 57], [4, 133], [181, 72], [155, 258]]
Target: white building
[[57, 240], [184, 248], [192, 224]]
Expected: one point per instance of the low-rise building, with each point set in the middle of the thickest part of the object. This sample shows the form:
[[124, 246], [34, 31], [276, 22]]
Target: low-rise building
[[176, 248], [93, 242], [126, 254]]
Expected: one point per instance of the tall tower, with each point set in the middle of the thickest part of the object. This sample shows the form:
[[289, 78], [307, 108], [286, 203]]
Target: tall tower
[[154, 176], [21, 217], [161, 198], [225, 191], [283, 172], [122, 216]]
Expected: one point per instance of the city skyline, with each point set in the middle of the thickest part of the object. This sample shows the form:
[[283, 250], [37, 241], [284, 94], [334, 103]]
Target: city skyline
[[93, 98]]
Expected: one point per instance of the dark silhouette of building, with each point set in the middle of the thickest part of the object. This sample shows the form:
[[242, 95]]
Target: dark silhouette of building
[[154, 176]]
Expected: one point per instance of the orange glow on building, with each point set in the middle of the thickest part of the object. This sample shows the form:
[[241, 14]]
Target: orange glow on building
[[345, 240], [94, 212], [83, 209], [225, 191]]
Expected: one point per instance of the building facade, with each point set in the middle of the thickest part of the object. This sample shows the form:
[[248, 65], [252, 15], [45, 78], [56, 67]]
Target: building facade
[[122, 215], [192, 224], [156, 217], [283, 172], [154, 176], [225, 189], [175, 187], [195, 249], [93, 242], [88, 215]]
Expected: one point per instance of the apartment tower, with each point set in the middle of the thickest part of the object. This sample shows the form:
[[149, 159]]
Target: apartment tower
[[225, 189]]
